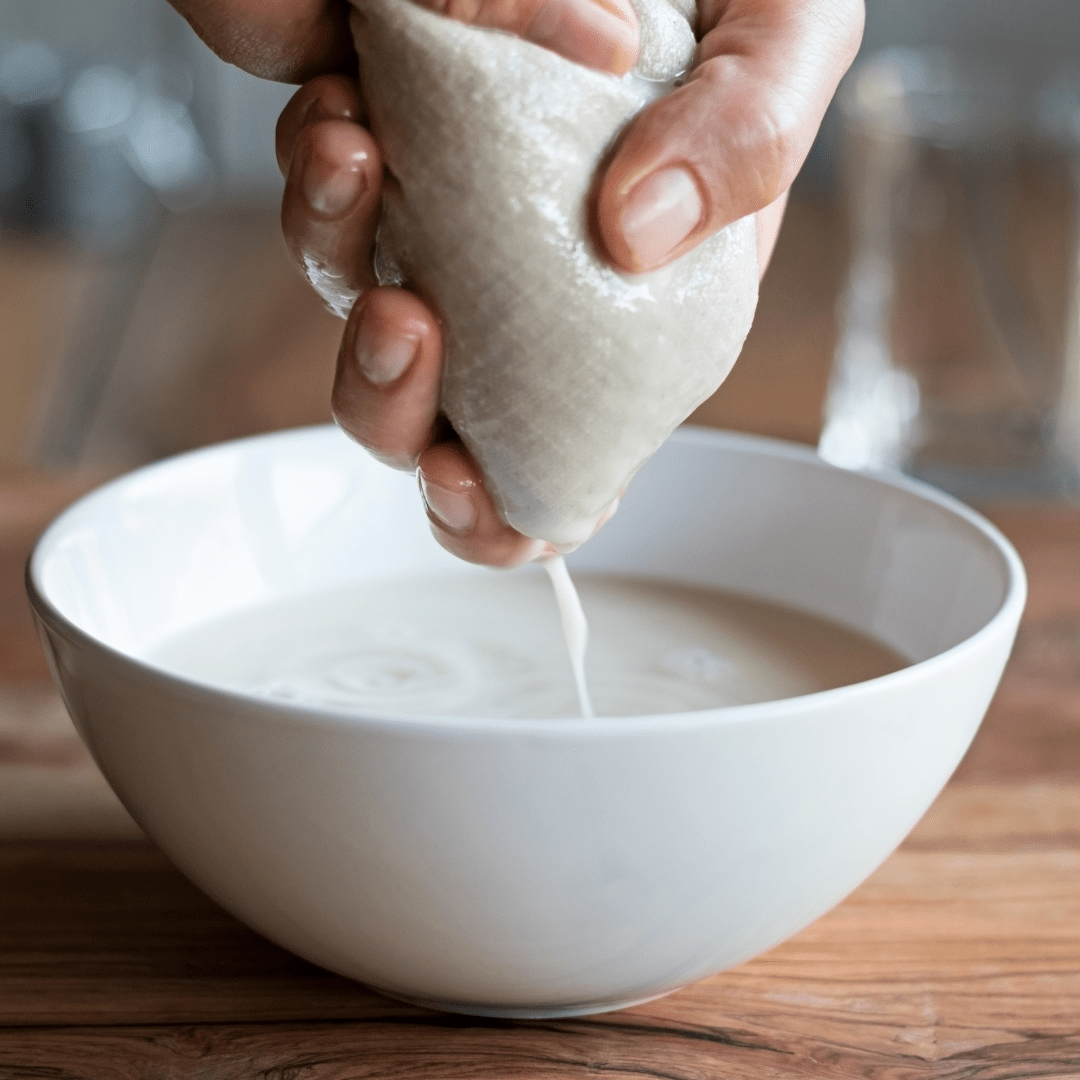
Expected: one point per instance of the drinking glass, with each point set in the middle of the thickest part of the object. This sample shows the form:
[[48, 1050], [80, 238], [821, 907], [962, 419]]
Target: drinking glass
[[960, 344]]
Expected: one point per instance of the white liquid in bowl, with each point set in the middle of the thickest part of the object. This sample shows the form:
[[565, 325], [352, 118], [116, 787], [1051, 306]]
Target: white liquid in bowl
[[492, 646]]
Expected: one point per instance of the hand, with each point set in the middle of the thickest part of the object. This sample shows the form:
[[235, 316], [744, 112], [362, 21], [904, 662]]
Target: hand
[[386, 394], [297, 40], [728, 143]]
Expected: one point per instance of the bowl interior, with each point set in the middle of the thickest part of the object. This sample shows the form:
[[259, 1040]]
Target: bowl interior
[[237, 525]]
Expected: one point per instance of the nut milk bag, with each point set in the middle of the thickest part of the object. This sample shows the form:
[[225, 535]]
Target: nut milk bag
[[562, 375]]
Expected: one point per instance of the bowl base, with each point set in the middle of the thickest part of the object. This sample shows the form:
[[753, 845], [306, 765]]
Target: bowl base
[[521, 1012]]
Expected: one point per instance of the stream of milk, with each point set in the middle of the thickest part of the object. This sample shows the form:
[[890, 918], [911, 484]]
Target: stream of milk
[[574, 624]]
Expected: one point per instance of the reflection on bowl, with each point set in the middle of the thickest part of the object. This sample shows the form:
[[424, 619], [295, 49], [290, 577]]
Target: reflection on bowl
[[531, 867]]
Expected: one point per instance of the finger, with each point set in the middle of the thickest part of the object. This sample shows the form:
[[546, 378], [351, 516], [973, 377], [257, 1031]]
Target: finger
[[731, 139], [329, 97], [386, 391], [330, 208], [600, 34], [284, 40], [462, 515]]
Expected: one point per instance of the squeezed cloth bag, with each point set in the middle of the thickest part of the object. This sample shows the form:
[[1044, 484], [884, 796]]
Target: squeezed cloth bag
[[562, 376]]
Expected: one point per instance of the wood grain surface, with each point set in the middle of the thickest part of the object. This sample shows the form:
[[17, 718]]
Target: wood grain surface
[[958, 959]]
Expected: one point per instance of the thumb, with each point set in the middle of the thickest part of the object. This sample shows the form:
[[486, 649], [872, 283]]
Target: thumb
[[731, 139]]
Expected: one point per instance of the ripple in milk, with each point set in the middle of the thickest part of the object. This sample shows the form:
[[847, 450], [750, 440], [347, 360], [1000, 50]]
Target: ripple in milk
[[491, 645]]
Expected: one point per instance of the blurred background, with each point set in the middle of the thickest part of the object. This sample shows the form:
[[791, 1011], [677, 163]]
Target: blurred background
[[146, 303]]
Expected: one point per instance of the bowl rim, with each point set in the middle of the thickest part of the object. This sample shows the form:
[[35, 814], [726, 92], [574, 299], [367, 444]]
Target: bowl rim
[[328, 716]]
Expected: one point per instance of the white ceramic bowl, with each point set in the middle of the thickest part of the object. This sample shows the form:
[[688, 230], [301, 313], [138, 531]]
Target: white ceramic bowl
[[525, 868]]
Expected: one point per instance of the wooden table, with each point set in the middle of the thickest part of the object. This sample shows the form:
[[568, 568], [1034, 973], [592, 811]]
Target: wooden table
[[959, 958]]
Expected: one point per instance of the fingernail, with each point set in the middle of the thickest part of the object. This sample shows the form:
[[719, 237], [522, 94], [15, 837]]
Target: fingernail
[[331, 190], [453, 508], [660, 213], [598, 33], [383, 358], [617, 22]]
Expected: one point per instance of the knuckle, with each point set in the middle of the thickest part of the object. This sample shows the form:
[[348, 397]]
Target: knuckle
[[751, 155], [760, 154], [369, 431], [780, 147]]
